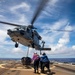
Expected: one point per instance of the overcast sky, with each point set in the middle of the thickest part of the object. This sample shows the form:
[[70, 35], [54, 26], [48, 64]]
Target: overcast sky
[[57, 15]]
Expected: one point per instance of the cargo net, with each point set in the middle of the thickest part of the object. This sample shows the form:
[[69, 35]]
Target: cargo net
[[26, 60]]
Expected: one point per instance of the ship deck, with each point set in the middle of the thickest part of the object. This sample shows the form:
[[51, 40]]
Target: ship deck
[[16, 68]]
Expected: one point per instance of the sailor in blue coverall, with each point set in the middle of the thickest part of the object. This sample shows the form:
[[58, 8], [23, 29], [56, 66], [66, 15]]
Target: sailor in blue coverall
[[44, 62]]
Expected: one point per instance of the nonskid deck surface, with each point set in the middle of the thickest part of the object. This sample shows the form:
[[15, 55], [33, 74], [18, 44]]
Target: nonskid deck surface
[[14, 68]]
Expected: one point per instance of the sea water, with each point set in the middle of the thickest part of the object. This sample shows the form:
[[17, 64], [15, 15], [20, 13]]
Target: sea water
[[63, 60]]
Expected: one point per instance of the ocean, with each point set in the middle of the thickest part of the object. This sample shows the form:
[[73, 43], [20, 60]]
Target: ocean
[[63, 60]]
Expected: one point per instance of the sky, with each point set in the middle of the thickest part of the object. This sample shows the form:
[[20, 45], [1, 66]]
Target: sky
[[56, 15]]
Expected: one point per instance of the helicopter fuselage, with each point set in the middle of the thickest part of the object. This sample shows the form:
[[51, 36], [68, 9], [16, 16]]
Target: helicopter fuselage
[[25, 36]]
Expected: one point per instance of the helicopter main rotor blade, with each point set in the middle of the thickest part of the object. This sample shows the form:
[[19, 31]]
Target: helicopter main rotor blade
[[62, 30], [38, 11], [10, 24]]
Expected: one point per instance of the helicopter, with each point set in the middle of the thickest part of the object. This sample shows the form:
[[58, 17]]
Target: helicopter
[[27, 35]]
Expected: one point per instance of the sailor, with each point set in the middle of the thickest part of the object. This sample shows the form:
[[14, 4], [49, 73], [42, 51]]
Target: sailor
[[44, 62], [36, 60]]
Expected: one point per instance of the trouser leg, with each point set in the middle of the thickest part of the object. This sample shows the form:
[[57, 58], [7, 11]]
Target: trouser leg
[[37, 66], [43, 65], [48, 66], [34, 66]]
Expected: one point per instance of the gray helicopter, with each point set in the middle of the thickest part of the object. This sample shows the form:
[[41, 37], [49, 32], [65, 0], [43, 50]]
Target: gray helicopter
[[27, 35]]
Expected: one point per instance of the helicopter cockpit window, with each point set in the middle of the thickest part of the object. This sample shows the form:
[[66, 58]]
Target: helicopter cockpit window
[[21, 29], [15, 29]]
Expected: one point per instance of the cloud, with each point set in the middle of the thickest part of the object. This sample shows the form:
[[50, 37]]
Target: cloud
[[17, 50], [65, 38], [21, 13], [73, 47], [61, 52], [50, 9], [58, 41], [50, 33], [23, 6], [4, 38], [63, 41], [1, 16], [4, 42], [21, 10], [3, 35], [53, 2], [56, 25]]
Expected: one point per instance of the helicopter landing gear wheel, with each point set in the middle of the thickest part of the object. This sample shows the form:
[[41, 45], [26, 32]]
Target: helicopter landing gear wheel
[[16, 44]]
